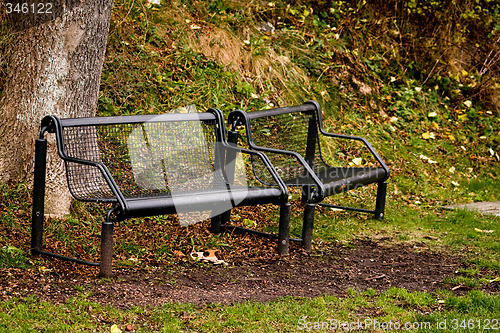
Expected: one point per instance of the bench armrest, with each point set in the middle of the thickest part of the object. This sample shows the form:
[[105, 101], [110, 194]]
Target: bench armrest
[[361, 139], [319, 192], [52, 124], [267, 163], [107, 177]]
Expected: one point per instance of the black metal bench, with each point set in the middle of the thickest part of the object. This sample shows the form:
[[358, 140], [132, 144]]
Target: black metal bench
[[154, 165], [293, 138]]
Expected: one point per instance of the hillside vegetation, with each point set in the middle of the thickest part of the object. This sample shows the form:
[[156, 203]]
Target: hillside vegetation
[[420, 79]]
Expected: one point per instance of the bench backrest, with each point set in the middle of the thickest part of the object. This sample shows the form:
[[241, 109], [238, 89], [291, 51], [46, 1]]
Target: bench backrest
[[145, 155], [291, 128]]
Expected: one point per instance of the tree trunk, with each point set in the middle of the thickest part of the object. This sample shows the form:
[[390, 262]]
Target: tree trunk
[[55, 68]]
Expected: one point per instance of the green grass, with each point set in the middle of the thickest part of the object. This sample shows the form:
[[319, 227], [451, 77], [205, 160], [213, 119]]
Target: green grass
[[369, 309]]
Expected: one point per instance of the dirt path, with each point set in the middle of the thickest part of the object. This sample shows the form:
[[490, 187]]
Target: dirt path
[[366, 265]]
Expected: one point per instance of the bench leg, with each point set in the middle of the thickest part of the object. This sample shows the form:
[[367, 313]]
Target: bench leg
[[307, 227], [216, 225], [218, 222], [284, 229], [38, 196], [106, 265], [380, 205]]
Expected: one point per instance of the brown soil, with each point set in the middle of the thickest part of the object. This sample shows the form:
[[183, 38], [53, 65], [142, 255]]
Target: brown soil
[[367, 264]]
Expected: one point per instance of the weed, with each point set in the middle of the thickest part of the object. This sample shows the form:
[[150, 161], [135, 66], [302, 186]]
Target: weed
[[11, 256]]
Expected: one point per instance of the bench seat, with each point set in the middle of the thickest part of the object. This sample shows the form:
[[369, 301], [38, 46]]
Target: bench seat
[[201, 201], [337, 180]]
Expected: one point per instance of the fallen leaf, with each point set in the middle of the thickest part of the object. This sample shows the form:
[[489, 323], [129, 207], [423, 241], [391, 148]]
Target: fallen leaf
[[485, 231], [425, 158], [115, 329], [428, 135], [43, 269], [357, 161], [179, 254], [376, 277], [460, 286]]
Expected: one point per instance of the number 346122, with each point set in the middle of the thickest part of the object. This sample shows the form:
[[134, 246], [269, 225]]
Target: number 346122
[[28, 8]]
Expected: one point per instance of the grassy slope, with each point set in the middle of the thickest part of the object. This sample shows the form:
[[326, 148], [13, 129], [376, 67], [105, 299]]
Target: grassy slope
[[210, 53]]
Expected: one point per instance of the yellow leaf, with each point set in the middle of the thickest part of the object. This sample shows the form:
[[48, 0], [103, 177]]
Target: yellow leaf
[[115, 329], [485, 231], [357, 161], [43, 269], [428, 135]]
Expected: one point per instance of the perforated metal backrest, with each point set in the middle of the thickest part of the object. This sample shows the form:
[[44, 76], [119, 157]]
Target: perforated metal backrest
[[295, 131], [145, 159]]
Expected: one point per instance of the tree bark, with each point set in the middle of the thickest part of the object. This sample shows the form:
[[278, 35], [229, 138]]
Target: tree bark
[[55, 68]]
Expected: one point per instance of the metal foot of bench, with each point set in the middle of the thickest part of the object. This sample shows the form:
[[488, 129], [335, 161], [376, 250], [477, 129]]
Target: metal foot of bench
[[106, 266], [58, 256], [218, 222], [347, 208], [380, 205], [37, 224], [229, 227], [307, 227], [216, 225], [284, 229]]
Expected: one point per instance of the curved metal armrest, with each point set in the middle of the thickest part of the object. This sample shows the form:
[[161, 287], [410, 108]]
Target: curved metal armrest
[[52, 124], [319, 193], [107, 177], [365, 142], [267, 163]]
